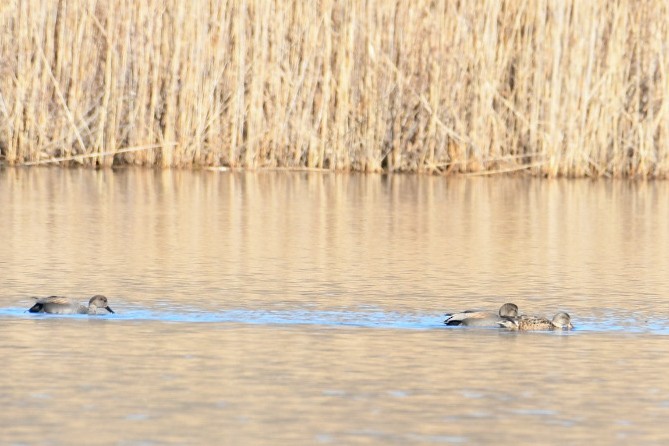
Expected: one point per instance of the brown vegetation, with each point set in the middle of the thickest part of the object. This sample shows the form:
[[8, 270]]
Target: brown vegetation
[[575, 88]]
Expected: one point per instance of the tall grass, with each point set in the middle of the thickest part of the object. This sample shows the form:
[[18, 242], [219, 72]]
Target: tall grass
[[553, 87]]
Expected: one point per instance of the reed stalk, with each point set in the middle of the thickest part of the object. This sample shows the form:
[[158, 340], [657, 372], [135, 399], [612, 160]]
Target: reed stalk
[[553, 88]]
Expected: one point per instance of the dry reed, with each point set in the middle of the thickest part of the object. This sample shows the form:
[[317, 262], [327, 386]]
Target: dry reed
[[555, 88]]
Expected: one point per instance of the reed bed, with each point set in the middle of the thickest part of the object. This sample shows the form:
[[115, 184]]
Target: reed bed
[[552, 87]]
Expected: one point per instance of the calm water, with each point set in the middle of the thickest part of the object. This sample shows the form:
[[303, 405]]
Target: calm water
[[295, 308]]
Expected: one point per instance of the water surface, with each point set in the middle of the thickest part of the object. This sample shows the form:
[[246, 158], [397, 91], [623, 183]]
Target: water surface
[[307, 308]]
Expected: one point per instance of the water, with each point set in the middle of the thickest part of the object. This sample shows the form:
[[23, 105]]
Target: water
[[307, 308]]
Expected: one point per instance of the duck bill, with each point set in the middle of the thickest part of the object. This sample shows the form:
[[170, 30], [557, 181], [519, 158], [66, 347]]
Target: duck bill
[[109, 309]]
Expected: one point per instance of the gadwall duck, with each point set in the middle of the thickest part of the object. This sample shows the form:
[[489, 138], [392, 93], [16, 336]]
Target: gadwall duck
[[475, 318], [561, 321], [64, 305]]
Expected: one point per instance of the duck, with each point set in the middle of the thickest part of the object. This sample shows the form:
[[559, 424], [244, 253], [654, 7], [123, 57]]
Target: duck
[[476, 318], [561, 321], [64, 305]]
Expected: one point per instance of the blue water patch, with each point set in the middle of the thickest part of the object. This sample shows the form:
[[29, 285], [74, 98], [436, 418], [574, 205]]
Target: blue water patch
[[366, 317], [655, 326], [371, 319], [377, 319]]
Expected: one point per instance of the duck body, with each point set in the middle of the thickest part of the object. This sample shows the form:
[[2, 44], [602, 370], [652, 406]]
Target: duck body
[[477, 318], [64, 305], [561, 321]]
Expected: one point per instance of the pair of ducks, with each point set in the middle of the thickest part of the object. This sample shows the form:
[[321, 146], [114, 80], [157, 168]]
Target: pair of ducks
[[508, 317], [63, 305]]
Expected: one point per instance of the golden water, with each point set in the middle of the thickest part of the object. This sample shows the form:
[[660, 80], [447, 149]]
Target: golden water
[[302, 308]]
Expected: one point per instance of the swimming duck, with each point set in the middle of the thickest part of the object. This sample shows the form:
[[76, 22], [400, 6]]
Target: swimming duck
[[561, 321], [64, 305], [475, 318]]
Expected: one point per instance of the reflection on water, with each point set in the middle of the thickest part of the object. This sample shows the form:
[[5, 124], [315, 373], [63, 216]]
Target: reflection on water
[[307, 308]]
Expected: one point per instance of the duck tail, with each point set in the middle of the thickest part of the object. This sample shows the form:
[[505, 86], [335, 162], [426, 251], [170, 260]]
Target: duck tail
[[508, 322], [37, 308]]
